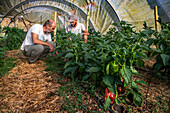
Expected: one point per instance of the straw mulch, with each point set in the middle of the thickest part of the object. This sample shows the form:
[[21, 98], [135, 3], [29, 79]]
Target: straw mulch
[[28, 89]]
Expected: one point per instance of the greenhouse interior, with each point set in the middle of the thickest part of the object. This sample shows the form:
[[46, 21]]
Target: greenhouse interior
[[84, 56]]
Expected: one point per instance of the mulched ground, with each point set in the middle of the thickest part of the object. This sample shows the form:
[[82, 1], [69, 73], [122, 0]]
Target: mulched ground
[[26, 89]]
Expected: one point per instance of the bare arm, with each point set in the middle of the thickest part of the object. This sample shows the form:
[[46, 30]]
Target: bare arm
[[85, 32], [85, 35], [38, 41]]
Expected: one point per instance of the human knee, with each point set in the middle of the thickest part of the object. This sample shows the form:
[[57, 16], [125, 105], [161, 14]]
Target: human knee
[[39, 48]]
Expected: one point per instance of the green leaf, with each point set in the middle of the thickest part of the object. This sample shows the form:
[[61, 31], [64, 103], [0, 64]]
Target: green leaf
[[123, 99], [107, 69], [141, 82], [69, 50], [84, 48], [87, 55], [142, 55], [126, 74], [112, 89], [137, 98], [69, 55], [157, 66], [157, 50], [134, 71], [67, 70], [165, 59], [139, 62], [80, 64], [117, 101], [85, 77], [93, 69], [108, 80], [107, 103], [135, 86], [73, 70], [145, 48], [75, 44], [67, 64], [115, 24]]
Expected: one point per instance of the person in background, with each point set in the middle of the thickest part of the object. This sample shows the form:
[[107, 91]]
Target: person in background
[[75, 27], [38, 42]]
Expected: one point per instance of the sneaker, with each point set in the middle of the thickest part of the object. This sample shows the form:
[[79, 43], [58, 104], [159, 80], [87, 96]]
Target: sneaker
[[30, 62]]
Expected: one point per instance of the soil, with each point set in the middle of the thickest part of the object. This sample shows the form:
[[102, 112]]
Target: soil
[[26, 89]]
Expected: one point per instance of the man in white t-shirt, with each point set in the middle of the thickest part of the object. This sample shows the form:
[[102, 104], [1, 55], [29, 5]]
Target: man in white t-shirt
[[77, 28], [38, 43]]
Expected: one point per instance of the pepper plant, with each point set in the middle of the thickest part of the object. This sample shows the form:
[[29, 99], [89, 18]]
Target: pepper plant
[[13, 37], [162, 49], [5, 64], [105, 59]]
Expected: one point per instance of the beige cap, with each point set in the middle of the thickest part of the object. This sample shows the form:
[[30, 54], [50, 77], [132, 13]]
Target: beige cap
[[72, 18]]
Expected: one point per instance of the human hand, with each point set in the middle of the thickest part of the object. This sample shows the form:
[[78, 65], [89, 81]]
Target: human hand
[[85, 32], [51, 48]]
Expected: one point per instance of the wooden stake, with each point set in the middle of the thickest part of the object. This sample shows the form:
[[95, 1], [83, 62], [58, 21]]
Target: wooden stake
[[87, 23], [156, 17], [59, 22], [55, 19]]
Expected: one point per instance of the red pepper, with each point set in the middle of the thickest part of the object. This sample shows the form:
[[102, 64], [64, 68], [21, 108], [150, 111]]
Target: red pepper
[[112, 96], [122, 80], [121, 88]]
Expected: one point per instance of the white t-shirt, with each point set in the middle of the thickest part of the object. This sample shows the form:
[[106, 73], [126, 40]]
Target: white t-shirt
[[78, 29], [37, 29]]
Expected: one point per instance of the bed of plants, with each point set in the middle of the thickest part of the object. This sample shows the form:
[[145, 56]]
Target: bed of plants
[[10, 39], [107, 62], [105, 59]]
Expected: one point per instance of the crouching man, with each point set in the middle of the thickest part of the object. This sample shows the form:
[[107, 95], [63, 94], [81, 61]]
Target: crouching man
[[76, 27], [38, 42]]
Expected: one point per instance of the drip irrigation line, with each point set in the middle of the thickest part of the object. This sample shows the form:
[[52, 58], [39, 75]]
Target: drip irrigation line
[[101, 102]]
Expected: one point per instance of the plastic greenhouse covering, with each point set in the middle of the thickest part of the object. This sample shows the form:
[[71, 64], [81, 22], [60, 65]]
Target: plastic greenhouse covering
[[101, 15]]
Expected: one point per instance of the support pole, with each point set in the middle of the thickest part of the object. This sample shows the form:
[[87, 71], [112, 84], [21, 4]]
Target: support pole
[[59, 22], [55, 19], [24, 23], [156, 17], [64, 21], [87, 23]]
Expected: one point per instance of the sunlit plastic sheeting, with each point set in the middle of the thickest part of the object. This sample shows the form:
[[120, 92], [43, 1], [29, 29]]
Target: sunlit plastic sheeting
[[5, 6], [101, 15], [138, 11], [37, 17], [163, 8], [55, 4], [99, 24], [166, 7], [42, 8]]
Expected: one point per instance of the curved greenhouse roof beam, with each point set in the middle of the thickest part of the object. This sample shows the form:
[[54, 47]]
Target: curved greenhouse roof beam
[[115, 14], [46, 6], [72, 5]]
